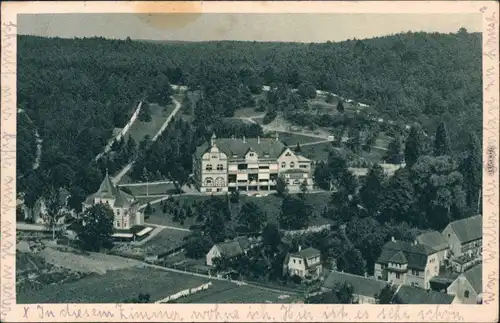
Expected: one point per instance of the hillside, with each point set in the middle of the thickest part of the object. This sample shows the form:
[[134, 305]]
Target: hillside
[[77, 90]]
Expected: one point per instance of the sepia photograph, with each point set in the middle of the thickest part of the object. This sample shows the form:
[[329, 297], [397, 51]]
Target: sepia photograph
[[259, 158]]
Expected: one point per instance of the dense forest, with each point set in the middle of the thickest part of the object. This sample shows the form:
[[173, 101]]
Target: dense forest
[[75, 91]]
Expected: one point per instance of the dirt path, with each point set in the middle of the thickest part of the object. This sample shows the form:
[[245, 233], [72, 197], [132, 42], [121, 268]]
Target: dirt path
[[127, 167]]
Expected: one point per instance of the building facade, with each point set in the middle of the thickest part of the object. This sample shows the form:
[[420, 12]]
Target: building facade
[[305, 263], [125, 207], [405, 263], [465, 237], [253, 164], [468, 287]]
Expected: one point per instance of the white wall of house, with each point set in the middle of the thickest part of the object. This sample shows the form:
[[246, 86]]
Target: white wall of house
[[431, 269], [463, 291], [214, 252], [297, 266], [453, 242]]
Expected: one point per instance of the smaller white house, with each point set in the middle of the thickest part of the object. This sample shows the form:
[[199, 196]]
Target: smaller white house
[[468, 287], [305, 263], [125, 206]]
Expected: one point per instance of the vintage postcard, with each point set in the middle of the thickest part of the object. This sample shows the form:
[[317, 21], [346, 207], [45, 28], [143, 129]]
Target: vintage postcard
[[249, 162]]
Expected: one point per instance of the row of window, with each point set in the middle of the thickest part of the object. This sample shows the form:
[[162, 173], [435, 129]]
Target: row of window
[[219, 181], [219, 167], [209, 167], [292, 165], [125, 223]]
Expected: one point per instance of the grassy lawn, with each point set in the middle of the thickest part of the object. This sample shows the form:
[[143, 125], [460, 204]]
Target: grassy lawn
[[225, 292], [159, 115], [153, 189], [271, 204], [317, 152], [163, 241], [291, 139], [247, 113], [114, 287]]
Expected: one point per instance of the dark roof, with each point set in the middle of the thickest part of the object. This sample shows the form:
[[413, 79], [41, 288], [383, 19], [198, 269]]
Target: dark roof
[[307, 253], [361, 285], [468, 229], [107, 189], [416, 255], [415, 295], [234, 247], [475, 277], [434, 240], [399, 258], [263, 146]]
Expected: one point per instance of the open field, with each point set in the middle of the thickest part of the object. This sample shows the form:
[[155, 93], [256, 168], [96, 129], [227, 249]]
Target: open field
[[225, 292], [114, 287], [163, 241], [271, 204], [247, 113], [291, 139], [159, 115], [320, 152]]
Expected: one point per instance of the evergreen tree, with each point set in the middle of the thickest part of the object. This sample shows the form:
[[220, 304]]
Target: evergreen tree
[[471, 170], [297, 148], [393, 155], [371, 192], [413, 147], [340, 107], [441, 141]]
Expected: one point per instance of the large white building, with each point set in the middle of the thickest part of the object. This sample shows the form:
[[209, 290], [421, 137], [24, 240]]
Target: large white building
[[125, 207], [248, 164]]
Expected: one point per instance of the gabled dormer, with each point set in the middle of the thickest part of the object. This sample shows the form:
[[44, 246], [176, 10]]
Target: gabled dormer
[[251, 154]]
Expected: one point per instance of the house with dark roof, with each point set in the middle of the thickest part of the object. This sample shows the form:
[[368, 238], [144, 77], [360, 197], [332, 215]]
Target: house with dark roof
[[248, 164], [465, 237], [402, 262], [365, 289], [124, 205], [468, 287], [414, 295], [435, 241], [305, 263], [230, 249]]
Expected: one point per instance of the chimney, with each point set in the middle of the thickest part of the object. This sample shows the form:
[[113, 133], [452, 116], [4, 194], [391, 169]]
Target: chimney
[[244, 139], [212, 140], [258, 139], [392, 239]]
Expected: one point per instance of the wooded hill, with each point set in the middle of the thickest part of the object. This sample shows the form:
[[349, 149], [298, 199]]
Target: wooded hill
[[77, 90]]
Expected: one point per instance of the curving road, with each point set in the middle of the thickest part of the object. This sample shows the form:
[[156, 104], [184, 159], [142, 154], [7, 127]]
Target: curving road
[[127, 167]]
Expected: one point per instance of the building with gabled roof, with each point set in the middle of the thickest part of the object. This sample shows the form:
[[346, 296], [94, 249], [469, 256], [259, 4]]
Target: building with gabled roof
[[435, 241], [414, 295], [124, 205], [465, 237], [402, 262], [365, 289], [305, 263], [248, 164], [230, 249], [468, 287]]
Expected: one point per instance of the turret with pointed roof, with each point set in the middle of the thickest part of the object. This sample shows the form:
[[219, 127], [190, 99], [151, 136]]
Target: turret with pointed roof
[[123, 204]]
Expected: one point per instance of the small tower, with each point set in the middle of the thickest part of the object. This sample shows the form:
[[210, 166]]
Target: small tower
[[212, 140]]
